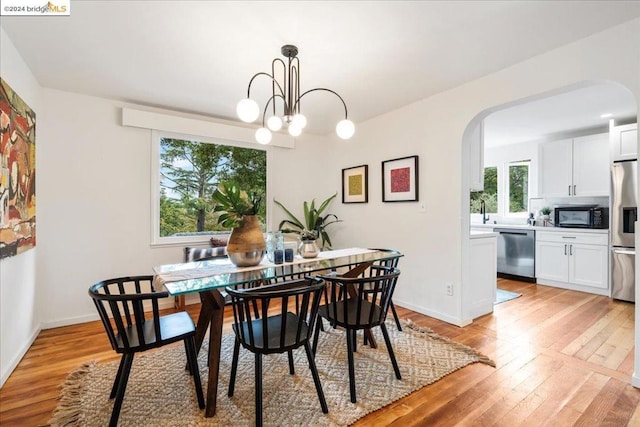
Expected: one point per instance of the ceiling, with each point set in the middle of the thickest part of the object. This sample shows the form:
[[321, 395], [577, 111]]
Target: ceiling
[[198, 56], [575, 109]]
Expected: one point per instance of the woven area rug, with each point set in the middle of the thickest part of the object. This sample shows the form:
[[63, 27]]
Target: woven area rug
[[160, 392]]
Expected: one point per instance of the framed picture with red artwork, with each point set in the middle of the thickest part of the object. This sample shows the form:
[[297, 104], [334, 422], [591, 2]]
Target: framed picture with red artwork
[[400, 180]]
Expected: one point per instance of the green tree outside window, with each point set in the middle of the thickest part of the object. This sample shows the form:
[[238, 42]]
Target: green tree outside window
[[190, 172], [490, 193]]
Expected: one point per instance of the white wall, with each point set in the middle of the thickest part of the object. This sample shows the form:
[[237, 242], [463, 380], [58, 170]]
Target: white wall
[[94, 193], [19, 316], [436, 242]]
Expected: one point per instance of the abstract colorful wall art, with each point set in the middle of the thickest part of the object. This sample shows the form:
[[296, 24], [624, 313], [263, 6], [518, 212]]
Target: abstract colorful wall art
[[400, 180], [17, 174], [355, 185]]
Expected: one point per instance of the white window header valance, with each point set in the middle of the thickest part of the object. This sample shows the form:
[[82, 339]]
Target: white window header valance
[[166, 122]]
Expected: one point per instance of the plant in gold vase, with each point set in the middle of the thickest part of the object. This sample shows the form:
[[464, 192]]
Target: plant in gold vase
[[312, 228], [238, 211]]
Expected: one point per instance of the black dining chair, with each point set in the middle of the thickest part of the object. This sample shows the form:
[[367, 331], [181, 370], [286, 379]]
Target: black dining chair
[[285, 321], [358, 303], [121, 306]]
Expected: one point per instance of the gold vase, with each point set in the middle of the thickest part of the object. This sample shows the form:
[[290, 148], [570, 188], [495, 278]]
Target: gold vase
[[308, 249], [246, 246]]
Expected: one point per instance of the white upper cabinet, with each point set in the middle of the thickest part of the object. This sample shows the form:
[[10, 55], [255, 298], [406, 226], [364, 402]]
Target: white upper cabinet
[[476, 157], [575, 167], [591, 165], [624, 142], [555, 173]]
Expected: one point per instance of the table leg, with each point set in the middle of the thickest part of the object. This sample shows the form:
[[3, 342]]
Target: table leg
[[211, 313], [355, 272]]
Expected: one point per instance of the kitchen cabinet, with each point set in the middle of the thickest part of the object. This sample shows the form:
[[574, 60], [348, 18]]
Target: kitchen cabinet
[[624, 142], [574, 167], [573, 260]]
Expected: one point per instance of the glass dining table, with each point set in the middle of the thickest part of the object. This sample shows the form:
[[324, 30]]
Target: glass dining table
[[209, 277]]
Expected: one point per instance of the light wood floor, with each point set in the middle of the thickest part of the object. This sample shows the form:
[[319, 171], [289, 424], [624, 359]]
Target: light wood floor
[[563, 358]]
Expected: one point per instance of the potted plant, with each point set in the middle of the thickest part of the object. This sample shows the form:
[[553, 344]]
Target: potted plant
[[545, 212], [238, 211], [313, 227]]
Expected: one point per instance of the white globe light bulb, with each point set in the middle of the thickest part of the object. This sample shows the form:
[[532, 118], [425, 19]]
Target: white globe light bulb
[[345, 129], [299, 120], [263, 136], [248, 110], [274, 123], [294, 130]]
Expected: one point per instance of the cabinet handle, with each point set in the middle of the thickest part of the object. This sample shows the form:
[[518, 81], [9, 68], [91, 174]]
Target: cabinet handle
[[569, 190], [574, 190], [568, 237], [570, 249], [565, 249]]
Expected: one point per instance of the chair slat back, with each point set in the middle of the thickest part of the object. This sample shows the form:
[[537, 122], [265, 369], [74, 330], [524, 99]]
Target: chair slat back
[[363, 301], [120, 304], [285, 319]]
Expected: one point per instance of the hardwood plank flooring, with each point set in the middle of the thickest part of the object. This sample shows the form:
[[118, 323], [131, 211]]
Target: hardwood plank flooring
[[563, 358]]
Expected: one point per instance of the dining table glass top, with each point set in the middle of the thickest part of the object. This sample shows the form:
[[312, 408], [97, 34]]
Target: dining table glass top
[[200, 276]]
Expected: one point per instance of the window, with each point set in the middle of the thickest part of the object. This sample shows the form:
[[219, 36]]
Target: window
[[187, 170], [490, 193], [518, 187]]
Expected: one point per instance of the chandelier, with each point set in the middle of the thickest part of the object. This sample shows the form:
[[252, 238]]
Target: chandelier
[[285, 86]]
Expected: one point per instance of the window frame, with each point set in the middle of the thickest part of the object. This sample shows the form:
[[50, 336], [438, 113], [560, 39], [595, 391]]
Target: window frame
[[156, 136], [507, 185]]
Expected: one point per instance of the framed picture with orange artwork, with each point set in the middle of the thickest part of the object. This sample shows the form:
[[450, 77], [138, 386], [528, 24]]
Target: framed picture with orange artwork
[[400, 180], [355, 184]]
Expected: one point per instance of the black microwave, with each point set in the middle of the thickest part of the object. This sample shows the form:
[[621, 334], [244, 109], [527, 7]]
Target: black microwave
[[581, 216]]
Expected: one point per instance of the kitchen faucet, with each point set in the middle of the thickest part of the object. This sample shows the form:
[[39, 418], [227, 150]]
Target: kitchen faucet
[[483, 211]]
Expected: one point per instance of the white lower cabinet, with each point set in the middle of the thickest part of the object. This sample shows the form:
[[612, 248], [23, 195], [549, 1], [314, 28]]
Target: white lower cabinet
[[573, 260]]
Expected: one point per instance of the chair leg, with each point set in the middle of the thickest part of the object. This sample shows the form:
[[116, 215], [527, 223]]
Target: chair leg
[[114, 389], [122, 387], [352, 373], [395, 315], [387, 341], [316, 333], [258, 389], [316, 377], [192, 357], [292, 370], [186, 351], [234, 367]]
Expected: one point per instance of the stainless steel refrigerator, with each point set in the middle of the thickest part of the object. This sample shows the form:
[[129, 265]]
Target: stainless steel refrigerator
[[624, 212]]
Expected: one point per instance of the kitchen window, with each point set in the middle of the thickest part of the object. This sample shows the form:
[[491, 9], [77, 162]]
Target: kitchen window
[[186, 171], [490, 193], [518, 188]]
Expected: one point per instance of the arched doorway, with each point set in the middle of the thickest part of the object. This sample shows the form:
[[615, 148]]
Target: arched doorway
[[602, 94]]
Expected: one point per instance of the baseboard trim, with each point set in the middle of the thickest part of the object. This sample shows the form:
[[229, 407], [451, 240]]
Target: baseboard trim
[[635, 380], [435, 314], [165, 303], [16, 360]]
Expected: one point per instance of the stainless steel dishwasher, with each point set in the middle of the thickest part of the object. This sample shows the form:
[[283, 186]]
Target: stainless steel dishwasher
[[516, 253]]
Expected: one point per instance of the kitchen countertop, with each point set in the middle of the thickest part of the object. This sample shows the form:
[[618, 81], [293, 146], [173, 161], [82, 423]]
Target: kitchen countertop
[[481, 234], [479, 227]]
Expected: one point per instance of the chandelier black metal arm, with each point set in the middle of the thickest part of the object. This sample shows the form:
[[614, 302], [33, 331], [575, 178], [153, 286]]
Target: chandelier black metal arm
[[285, 84], [327, 90], [273, 80], [266, 106]]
